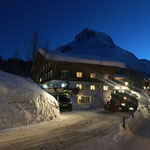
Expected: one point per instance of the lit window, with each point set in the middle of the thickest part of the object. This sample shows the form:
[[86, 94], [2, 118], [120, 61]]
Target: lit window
[[40, 79], [64, 73], [92, 87], [105, 88], [83, 100], [92, 75], [79, 74], [79, 86]]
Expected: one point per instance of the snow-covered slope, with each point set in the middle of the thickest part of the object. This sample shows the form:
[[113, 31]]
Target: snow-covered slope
[[91, 42], [23, 102]]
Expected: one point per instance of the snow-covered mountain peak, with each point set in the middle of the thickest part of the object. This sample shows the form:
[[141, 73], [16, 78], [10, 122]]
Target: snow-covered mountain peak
[[92, 43], [88, 34]]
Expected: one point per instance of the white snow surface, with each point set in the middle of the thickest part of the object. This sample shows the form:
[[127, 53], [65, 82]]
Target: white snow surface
[[23, 102], [136, 135]]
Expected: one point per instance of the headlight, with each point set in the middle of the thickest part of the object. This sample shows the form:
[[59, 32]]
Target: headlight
[[124, 97], [131, 108], [123, 104]]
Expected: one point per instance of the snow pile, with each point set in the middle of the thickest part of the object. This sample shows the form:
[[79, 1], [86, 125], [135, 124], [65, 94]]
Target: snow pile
[[23, 102], [132, 124]]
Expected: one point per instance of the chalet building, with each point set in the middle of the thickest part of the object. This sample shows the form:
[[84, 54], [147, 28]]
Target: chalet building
[[90, 80]]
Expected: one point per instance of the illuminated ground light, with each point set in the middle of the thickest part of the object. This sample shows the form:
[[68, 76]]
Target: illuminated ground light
[[45, 86], [117, 87]]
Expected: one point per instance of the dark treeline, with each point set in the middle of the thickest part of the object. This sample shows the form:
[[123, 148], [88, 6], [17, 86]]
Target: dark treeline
[[16, 66]]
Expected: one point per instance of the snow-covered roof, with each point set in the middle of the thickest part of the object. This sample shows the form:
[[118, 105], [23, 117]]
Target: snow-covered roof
[[76, 58]]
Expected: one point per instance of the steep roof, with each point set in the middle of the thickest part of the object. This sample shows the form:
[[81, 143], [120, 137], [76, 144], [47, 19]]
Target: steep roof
[[84, 59]]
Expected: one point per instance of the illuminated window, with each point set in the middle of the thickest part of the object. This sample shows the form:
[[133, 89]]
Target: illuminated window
[[40, 79], [79, 86], [92, 75], [105, 88], [83, 100], [92, 87], [79, 74]]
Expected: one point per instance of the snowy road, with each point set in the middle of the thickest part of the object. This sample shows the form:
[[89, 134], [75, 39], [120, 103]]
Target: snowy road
[[80, 129]]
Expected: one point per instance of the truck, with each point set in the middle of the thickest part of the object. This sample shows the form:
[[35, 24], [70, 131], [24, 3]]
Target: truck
[[122, 100]]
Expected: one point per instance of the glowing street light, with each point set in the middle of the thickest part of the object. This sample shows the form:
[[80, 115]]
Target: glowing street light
[[126, 83], [45, 86]]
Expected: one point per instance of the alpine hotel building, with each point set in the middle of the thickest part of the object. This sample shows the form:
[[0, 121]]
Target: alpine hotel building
[[89, 80]]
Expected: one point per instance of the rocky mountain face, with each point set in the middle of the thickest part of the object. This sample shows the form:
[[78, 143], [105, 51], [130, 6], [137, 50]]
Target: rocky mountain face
[[93, 43]]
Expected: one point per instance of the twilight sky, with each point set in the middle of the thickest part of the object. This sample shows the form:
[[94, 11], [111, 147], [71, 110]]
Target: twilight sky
[[126, 21]]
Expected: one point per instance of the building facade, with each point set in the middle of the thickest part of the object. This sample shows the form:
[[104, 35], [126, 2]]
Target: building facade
[[90, 80]]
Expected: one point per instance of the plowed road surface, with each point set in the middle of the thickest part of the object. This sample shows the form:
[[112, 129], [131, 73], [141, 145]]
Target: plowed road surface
[[79, 129]]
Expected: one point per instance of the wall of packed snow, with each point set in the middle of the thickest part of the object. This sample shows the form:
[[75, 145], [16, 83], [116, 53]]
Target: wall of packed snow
[[23, 102]]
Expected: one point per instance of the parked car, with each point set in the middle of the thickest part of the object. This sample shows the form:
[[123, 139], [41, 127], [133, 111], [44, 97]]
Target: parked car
[[65, 102]]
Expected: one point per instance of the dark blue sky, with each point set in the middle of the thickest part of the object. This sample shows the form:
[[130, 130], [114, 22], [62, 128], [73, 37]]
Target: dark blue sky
[[126, 21]]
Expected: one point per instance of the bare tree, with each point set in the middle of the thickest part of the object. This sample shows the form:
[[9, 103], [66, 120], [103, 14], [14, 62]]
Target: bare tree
[[32, 45]]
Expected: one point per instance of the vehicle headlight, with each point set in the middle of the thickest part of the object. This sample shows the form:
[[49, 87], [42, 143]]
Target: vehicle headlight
[[123, 104], [131, 108]]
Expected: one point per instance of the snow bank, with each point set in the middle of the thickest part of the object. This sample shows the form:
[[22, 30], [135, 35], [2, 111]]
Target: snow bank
[[23, 102], [132, 124]]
